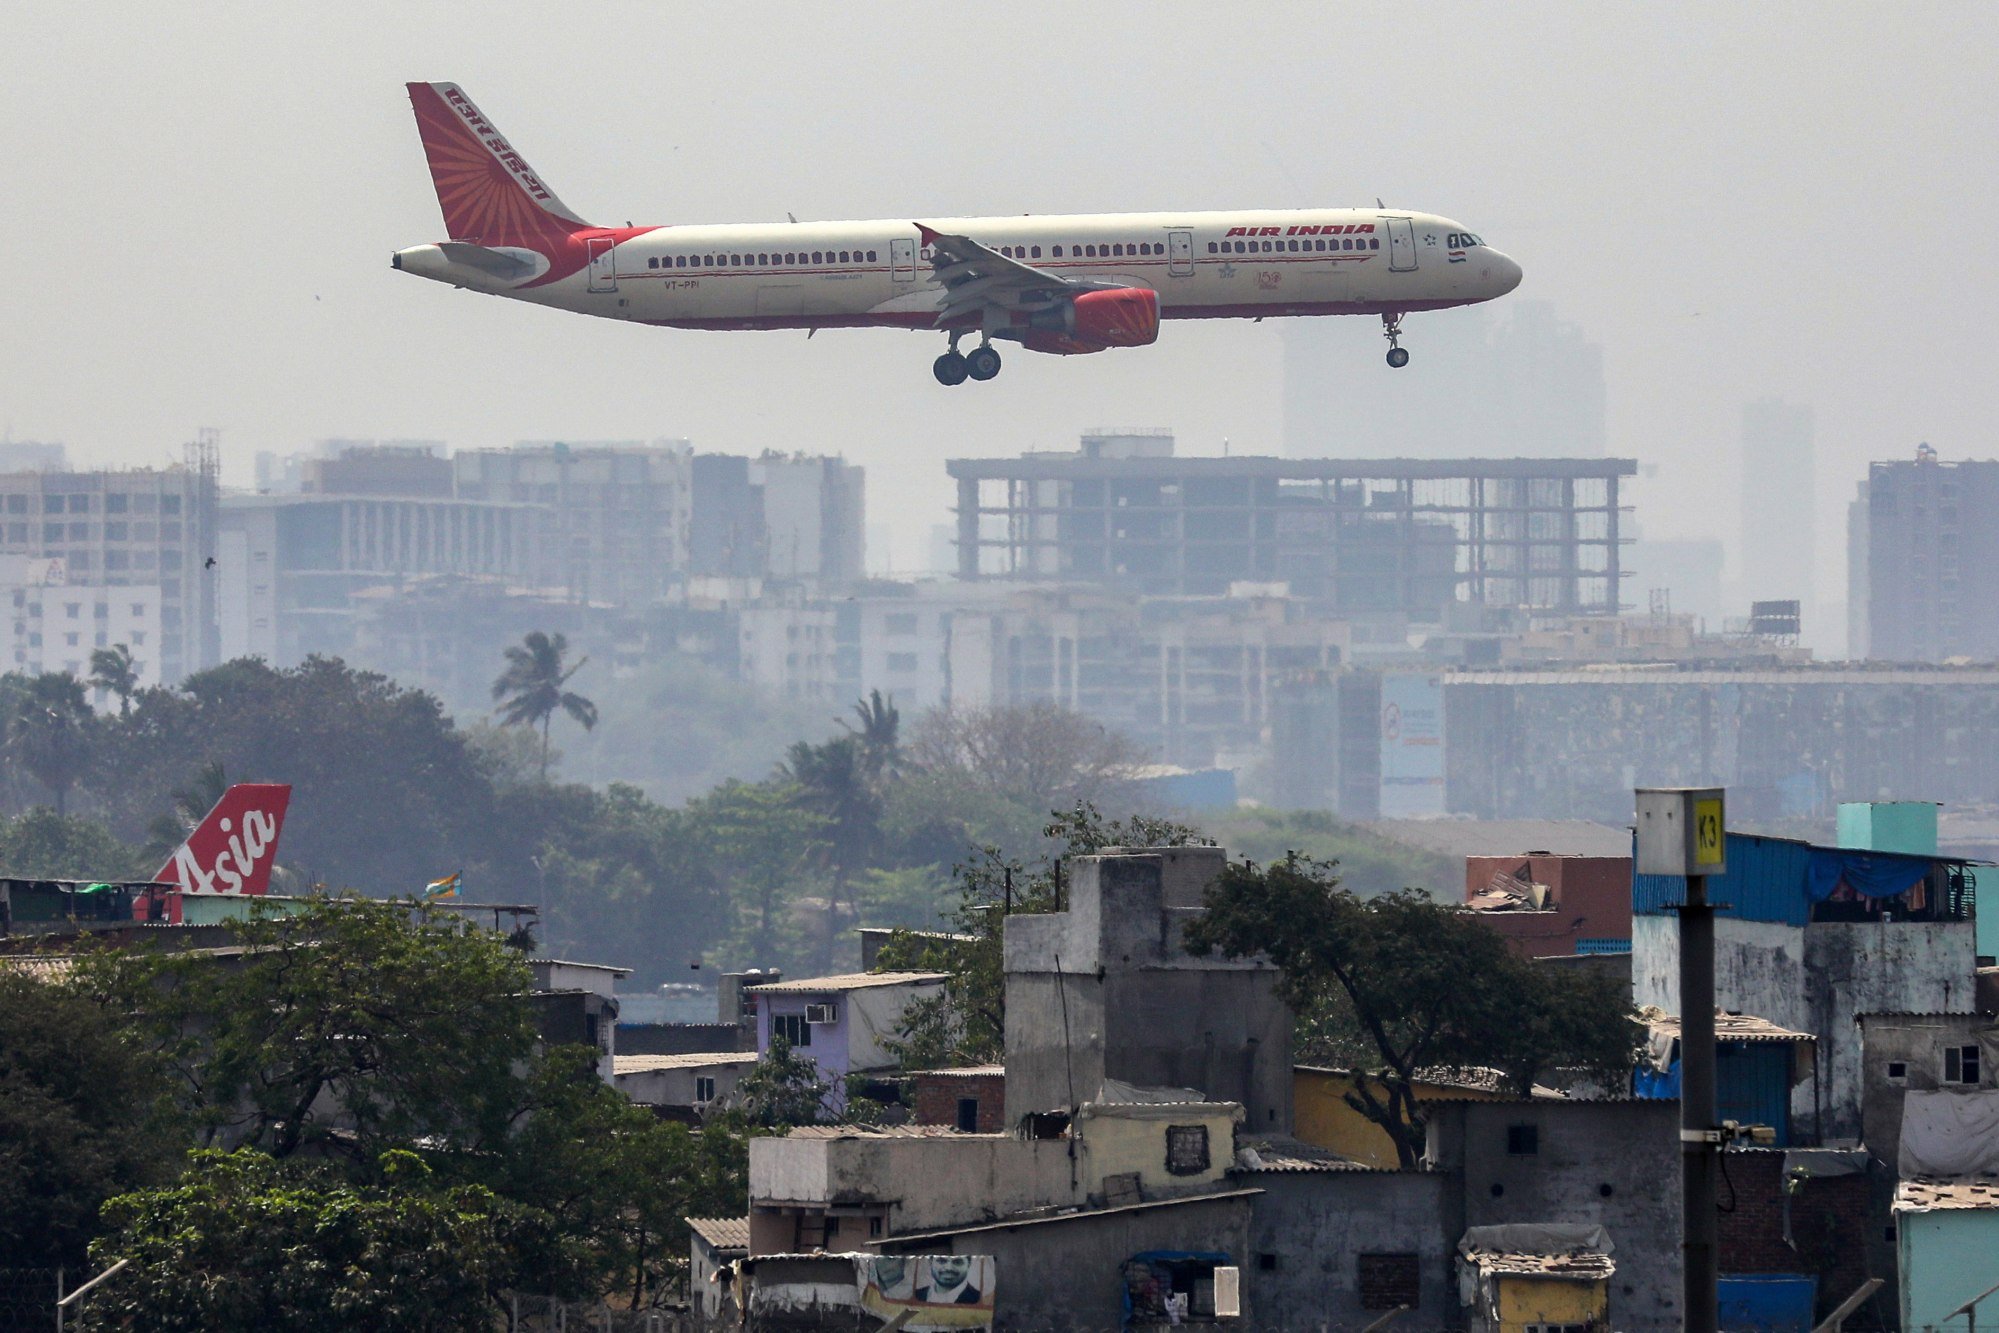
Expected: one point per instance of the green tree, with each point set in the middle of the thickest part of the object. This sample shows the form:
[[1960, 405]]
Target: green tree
[[242, 1244], [49, 732], [530, 691], [966, 1025], [348, 1028], [187, 807], [784, 1088], [112, 670], [1403, 984], [879, 735], [42, 844], [833, 782], [84, 1115], [762, 841]]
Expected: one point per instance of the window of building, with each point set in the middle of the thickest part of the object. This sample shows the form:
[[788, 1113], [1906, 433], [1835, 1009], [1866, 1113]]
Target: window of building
[[902, 663], [1960, 1064], [51, 532], [103, 639], [1388, 1281], [69, 640], [138, 608], [100, 612], [1186, 1149], [793, 1028], [115, 532], [80, 560], [79, 532], [138, 638], [17, 534], [72, 610], [51, 504], [1898, 1071], [704, 1088], [17, 504], [1523, 1140], [968, 1115]]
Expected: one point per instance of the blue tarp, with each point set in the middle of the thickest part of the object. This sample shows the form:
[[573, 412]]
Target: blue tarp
[[1869, 874], [1766, 1302]]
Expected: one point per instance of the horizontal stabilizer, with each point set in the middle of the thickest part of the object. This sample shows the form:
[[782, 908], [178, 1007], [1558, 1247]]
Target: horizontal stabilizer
[[497, 263]]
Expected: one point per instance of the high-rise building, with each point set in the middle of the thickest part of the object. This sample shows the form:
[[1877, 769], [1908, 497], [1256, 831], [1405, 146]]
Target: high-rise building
[[1924, 573], [140, 529], [814, 514], [1776, 559], [1527, 384], [621, 511]]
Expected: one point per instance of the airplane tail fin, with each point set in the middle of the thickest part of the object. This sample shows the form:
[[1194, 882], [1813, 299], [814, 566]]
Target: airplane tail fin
[[234, 847], [489, 194]]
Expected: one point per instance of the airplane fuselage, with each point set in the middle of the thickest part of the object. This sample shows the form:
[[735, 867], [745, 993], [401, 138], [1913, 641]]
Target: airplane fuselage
[[1210, 265]]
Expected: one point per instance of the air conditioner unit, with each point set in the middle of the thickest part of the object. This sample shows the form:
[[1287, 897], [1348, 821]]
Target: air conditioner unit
[[822, 1013]]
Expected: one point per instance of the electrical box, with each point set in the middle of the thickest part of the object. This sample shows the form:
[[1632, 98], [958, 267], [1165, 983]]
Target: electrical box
[[1682, 831]]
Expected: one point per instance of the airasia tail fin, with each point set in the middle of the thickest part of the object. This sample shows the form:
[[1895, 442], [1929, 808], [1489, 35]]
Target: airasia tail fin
[[234, 848], [490, 195]]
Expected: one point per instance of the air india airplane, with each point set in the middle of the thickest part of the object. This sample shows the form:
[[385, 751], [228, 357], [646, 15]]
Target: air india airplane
[[1060, 284]]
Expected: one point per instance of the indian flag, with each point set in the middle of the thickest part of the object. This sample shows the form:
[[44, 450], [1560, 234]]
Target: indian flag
[[443, 888]]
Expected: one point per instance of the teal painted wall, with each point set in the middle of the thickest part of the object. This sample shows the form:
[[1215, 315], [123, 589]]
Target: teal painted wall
[[1947, 1256], [1889, 826]]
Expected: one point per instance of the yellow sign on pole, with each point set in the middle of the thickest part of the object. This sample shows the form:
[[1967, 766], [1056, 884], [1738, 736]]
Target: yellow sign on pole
[[1708, 828]]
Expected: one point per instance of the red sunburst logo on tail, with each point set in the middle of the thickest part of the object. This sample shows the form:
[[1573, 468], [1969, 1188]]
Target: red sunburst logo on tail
[[489, 194]]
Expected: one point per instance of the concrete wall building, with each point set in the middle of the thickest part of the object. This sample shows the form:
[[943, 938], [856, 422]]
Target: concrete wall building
[[412, 469], [1924, 568], [814, 518], [1103, 991], [843, 1023], [1392, 535], [1946, 1234], [139, 529], [55, 624], [621, 512], [681, 1084], [1812, 938], [1919, 1052]]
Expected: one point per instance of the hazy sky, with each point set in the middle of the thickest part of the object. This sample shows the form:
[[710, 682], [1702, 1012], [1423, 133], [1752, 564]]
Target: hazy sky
[[200, 201]]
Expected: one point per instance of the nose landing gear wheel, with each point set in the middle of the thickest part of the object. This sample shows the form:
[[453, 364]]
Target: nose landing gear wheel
[[950, 369], [1398, 357], [982, 363]]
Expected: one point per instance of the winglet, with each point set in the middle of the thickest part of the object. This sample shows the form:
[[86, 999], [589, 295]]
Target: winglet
[[925, 234]]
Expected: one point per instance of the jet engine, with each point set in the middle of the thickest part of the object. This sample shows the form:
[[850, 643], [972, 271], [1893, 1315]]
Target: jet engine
[[1093, 321]]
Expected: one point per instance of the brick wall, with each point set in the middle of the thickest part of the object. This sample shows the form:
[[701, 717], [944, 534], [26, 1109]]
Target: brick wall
[[1829, 1223], [938, 1093]]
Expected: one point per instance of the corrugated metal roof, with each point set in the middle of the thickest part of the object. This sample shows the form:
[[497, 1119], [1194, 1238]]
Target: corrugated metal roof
[[1922, 1193], [1284, 1154], [722, 1233], [1582, 1266], [884, 1132], [1075, 1215], [1727, 1027], [42, 967], [845, 982], [970, 1071], [651, 1064]]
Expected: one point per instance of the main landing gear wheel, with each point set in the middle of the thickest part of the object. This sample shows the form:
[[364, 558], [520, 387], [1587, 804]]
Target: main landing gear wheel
[[982, 362], [950, 369], [1391, 329]]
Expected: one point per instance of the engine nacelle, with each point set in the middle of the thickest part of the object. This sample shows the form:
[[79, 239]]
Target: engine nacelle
[[1093, 321]]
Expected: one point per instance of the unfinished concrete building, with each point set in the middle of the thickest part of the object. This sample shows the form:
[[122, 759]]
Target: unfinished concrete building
[[1104, 993], [1362, 536]]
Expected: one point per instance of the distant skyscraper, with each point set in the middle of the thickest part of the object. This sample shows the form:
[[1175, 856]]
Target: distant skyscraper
[[1924, 571], [1522, 384], [1776, 559]]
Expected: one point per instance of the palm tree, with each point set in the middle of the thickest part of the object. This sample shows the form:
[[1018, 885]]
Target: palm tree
[[879, 735], [111, 669], [530, 689], [49, 732], [187, 807]]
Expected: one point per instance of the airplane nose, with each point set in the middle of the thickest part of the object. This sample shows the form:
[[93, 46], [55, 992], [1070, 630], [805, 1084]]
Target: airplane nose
[[1504, 273]]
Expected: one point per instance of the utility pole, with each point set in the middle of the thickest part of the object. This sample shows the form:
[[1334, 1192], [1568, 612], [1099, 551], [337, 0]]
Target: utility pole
[[1681, 832]]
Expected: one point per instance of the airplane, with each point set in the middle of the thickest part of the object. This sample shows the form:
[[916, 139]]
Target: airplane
[[1058, 284], [234, 847]]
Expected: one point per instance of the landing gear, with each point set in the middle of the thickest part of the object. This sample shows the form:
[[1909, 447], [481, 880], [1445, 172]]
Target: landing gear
[[1391, 329], [955, 367]]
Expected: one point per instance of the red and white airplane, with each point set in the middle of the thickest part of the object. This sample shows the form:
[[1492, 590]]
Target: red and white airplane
[[1062, 284], [232, 851]]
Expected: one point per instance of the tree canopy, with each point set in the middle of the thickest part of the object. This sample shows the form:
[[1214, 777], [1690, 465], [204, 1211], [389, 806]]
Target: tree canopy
[[1397, 984], [530, 691]]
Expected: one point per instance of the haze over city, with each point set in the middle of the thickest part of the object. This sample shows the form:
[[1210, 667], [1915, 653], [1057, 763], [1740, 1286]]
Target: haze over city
[[1735, 203]]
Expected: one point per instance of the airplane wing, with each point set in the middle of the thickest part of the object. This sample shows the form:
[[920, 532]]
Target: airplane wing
[[976, 277]]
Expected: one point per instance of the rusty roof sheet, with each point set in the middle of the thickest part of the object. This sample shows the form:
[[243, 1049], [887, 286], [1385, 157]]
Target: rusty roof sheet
[[652, 1064], [845, 982], [1282, 1153], [1923, 1193], [969, 1071], [1727, 1026], [1580, 1266], [884, 1132], [722, 1233]]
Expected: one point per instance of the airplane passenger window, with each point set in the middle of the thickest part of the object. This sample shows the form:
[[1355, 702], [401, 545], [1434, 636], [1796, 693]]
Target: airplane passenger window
[[1373, 244], [652, 263], [1058, 252], [818, 257], [763, 259], [1035, 251], [871, 257]]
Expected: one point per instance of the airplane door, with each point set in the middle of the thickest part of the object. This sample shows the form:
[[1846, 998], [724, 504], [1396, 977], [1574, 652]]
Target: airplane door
[[603, 277], [1180, 253], [1401, 245], [902, 259]]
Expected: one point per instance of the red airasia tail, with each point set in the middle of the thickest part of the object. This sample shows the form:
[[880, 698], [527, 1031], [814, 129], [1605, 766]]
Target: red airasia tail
[[1060, 284], [235, 846]]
